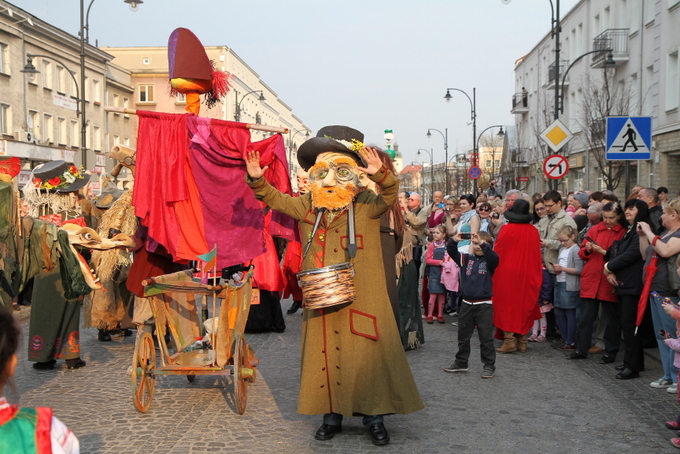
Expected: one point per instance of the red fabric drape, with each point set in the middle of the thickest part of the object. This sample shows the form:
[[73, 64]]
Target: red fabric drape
[[517, 280], [160, 179]]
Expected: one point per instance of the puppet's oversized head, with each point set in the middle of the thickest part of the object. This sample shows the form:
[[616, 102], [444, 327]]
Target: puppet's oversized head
[[192, 72], [331, 159]]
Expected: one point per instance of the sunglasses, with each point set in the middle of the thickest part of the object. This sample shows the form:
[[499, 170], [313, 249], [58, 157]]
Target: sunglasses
[[484, 209]]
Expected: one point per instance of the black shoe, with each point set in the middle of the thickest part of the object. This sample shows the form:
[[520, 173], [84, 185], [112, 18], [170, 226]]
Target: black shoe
[[104, 336], [576, 355], [294, 307], [627, 374], [47, 365], [76, 363], [620, 367], [379, 434], [326, 432], [606, 359], [127, 332]]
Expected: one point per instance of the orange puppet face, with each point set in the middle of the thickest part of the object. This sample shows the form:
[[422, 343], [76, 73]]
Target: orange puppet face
[[333, 180]]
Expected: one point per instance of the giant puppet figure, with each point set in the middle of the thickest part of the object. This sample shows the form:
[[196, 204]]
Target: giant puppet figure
[[352, 360]]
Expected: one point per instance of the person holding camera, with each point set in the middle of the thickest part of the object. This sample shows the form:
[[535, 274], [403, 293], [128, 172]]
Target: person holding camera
[[469, 220], [492, 191]]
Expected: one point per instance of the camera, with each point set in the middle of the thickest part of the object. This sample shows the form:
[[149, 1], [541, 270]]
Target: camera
[[664, 333], [441, 205], [447, 209], [465, 236], [495, 215], [492, 184]]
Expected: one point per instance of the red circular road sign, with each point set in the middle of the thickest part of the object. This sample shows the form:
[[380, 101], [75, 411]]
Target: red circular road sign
[[475, 172], [555, 166]]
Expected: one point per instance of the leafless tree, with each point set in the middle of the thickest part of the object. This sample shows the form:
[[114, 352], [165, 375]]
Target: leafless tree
[[603, 97]]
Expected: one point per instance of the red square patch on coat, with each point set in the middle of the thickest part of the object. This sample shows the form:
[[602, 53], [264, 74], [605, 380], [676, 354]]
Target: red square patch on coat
[[363, 324]]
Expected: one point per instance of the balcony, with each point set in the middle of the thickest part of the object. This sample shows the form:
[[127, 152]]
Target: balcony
[[615, 39], [552, 75], [520, 103]]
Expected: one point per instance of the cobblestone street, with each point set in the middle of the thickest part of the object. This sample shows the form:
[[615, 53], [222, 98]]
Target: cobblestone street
[[538, 402]]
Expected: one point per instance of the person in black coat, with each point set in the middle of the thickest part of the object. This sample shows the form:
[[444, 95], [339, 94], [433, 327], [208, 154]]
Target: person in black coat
[[624, 272]]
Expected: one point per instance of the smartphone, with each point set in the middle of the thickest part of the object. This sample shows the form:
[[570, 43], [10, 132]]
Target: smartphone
[[587, 238], [663, 333], [465, 236], [441, 205]]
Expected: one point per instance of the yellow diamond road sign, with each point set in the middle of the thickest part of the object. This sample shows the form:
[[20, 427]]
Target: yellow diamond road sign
[[556, 135]]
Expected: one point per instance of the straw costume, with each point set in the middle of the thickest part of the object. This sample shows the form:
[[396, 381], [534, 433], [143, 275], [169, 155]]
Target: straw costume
[[352, 359]]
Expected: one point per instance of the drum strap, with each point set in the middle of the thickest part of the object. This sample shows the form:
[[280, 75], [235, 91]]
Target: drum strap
[[352, 246], [319, 216]]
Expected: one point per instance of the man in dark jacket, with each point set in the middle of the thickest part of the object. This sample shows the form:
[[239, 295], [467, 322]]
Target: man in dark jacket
[[651, 198]]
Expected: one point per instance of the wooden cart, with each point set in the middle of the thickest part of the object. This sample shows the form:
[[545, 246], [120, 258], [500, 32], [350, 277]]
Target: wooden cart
[[172, 301]]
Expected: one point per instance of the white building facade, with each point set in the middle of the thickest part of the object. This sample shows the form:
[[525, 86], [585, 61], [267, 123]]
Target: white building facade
[[642, 37]]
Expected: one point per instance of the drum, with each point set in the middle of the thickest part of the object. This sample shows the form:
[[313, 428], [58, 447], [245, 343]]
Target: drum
[[328, 286]]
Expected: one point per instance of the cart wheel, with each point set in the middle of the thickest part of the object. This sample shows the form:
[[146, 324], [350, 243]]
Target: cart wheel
[[191, 378], [241, 374], [143, 378]]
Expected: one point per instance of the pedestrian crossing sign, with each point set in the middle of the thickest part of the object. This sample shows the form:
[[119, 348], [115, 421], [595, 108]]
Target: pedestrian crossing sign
[[629, 138]]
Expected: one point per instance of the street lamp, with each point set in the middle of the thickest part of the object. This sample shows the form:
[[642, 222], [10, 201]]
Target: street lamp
[[501, 133], [445, 136], [237, 110], [31, 70], [473, 114], [608, 62], [431, 169], [291, 145]]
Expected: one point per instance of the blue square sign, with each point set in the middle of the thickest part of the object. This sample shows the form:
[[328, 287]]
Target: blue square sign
[[629, 138]]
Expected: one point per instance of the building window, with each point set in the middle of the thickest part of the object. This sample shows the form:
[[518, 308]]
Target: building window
[[488, 163], [126, 103], [116, 139], [34, 124], [96, 138], [181, 98], [126, 141], [647, 95], [87, 91], [649, 11], [672, 81], [75, 133], [96, 93], [48, 129], [62, 131], [4, 58], [146, 61], [47, 74], [61, 80], [634, 16], [146, 93], [116, 100], [5, 119]]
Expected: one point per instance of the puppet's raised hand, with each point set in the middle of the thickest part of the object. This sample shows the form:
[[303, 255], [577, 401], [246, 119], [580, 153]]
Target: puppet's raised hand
[[373, 162], [253, 165]]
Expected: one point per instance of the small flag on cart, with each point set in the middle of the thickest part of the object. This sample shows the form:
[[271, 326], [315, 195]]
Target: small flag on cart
[[209, 261]]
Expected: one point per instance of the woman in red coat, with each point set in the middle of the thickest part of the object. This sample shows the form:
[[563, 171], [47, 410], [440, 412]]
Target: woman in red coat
[[596, 289]]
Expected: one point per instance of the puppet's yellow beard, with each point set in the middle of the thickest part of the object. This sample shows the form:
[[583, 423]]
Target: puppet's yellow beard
[[332, 198]]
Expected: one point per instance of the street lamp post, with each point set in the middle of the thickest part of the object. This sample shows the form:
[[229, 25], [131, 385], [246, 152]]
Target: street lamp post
[[291, 145], [473, 114], [431, 169], [30, 69], [501, 133], [237, 109], [445, 135]]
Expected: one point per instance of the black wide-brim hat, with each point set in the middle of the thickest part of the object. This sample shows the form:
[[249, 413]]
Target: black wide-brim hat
[[327, 140], [52, 169], [519, 213]]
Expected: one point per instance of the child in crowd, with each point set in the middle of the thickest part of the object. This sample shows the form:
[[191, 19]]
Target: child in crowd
[[434, 257], [476, 307], [567, 285], [545, 305], [26, 429]]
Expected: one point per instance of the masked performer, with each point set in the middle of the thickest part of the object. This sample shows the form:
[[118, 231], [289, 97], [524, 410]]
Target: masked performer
[[55, 315], [352, 360]]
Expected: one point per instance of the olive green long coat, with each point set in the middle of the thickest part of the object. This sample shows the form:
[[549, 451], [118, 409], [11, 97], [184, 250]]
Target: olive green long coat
[[352, 360]]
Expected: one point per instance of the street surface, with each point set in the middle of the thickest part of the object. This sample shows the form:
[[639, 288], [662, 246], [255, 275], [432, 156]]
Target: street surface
[[538, 402]]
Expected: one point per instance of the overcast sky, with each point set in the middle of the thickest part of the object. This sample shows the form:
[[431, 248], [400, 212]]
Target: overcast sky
[[369, 64]]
